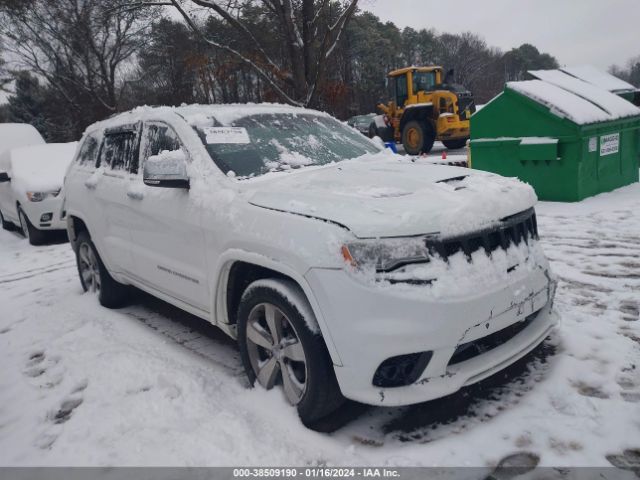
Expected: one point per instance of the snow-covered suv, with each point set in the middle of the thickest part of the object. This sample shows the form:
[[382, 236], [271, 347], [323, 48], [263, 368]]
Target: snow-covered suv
[[343, 270]]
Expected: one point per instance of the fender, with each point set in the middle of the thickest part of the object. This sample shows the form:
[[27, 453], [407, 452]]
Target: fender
[[417, 112], [220, 315]]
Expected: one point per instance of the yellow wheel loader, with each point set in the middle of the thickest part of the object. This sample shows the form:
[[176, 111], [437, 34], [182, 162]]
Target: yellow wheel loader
[[426, 107]]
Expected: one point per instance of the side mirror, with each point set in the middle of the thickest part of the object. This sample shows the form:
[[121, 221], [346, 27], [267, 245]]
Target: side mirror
[[167, 169], [4, 177]]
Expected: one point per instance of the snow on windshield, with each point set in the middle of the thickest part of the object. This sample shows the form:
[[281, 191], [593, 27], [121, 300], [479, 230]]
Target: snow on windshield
[[282, 141]]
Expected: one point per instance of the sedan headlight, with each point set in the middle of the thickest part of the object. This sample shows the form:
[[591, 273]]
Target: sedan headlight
[[40, 196], [386, 255]]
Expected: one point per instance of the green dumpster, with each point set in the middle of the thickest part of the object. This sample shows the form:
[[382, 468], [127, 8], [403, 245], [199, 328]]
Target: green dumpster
[[568, 139]]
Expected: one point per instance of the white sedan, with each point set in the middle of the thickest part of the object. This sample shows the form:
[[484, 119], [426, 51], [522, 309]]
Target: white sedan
[[30, 187]]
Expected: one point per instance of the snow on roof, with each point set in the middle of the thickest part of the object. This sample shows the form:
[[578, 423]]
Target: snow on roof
[[197, 114], [591, 74], [41, 167], [226, 114], [616, 106], [13, 135], [563, 103]]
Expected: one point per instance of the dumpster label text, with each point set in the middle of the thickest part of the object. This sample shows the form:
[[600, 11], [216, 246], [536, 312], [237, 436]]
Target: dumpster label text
[[609, 144]]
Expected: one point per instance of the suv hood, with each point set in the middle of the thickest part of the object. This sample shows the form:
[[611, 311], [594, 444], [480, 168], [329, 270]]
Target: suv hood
[[390, 196]]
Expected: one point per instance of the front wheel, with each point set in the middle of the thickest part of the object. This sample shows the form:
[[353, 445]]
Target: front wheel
[[94, 276], [418, 137], [280, 346], [31, 233], [455, 144]]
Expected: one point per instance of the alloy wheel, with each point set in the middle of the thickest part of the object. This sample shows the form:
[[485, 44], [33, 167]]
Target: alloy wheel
[[89, 268], [275, 351]]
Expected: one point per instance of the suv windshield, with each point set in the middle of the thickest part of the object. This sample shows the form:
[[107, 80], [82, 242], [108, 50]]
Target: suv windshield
[[257, 144]]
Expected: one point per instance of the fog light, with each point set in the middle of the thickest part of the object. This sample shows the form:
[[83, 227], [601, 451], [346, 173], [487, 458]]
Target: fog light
[[401, 370], [46, 217]]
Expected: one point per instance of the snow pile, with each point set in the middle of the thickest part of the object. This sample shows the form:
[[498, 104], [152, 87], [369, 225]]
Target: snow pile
[[591, 74], [614, 105], [13, 135], [41, 168], [562, 103]]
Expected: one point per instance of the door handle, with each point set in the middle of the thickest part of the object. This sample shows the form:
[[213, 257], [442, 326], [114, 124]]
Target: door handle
[[135, 195]]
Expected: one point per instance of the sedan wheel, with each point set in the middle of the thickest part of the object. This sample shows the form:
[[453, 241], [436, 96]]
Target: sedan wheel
[[275, 351], [89, 268]]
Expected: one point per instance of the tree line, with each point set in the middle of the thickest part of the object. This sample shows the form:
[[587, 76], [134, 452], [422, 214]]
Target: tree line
[[77, 61]]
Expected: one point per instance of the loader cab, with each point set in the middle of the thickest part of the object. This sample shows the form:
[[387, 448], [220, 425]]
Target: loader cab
[[408, 85]]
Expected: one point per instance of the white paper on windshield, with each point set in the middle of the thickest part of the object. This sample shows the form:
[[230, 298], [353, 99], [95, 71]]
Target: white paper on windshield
[[218, 135]]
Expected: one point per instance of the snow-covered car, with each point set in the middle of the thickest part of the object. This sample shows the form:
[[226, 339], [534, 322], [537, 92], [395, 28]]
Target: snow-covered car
[[30, 187], [362, 123], [342, 270]]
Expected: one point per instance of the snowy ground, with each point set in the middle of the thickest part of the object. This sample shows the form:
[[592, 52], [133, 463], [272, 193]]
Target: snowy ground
[[150, 385]]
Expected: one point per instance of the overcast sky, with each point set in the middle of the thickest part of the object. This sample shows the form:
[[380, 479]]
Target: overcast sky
[[599, 32]]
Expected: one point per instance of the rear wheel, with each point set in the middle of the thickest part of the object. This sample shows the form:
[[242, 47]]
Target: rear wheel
[[94, 276], [6, 224], [31, 233], [455, 144], [418, 137], [278, 348]]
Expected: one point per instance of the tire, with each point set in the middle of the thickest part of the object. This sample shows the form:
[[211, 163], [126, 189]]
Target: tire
[[31, 233], [418, 137], [6, 224], [94, 276], [455, 144], [313, 388]]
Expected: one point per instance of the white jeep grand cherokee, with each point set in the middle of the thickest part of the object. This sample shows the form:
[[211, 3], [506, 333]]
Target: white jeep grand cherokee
[[343, 270]]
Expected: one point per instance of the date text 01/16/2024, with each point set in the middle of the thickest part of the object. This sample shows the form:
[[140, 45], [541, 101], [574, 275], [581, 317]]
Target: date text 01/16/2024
[[319, 472]]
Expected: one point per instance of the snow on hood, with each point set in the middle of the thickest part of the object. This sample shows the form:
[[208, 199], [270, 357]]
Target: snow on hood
[[41, 168], [386, 196]]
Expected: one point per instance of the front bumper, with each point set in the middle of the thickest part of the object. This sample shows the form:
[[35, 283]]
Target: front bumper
[[452, 128], [49, 206], [369, 324]]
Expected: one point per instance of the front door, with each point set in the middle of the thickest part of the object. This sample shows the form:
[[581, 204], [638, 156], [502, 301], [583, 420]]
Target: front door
[[168, 241]]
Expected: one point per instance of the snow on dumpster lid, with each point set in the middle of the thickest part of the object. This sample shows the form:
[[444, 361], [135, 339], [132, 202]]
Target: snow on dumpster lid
[[601, 79], [616, 106], [561, 102]]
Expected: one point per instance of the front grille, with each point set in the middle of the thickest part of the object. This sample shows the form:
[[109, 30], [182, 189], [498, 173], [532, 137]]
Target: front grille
[[512, 230], [469, 350]]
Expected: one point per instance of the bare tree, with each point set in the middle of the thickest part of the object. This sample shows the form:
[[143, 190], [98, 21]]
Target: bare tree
[[309, 30], [77, 46]]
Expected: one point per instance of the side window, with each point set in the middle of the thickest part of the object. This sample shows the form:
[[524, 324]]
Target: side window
[[89, 151], [117, 150], [157, 138]]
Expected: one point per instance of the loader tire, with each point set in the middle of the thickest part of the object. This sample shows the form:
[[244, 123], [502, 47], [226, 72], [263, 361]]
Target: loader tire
[[455, 144], [418, 137]]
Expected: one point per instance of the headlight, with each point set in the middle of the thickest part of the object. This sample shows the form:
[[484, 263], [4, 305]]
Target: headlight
[[40, 196], [386, 254]]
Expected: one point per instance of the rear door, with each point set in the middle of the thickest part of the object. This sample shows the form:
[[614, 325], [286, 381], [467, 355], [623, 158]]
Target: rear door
[[80, 183], [119, 149], [168, 241]]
